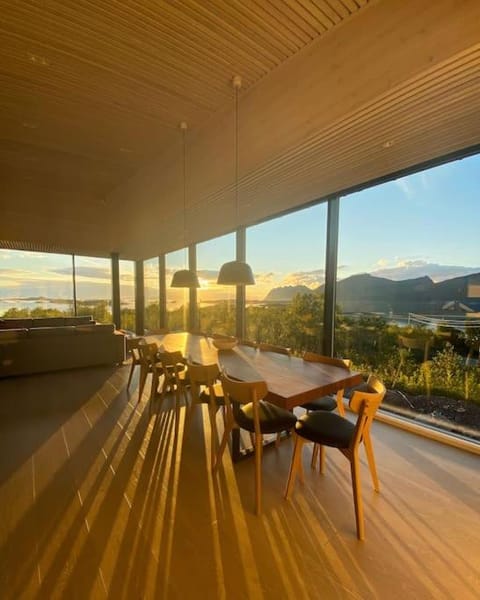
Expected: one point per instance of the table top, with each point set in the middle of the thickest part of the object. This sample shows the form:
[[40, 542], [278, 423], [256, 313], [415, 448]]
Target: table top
[[291, 381]]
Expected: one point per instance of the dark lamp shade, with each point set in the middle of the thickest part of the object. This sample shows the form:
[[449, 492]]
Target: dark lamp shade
[[185, 279], [235, 273]]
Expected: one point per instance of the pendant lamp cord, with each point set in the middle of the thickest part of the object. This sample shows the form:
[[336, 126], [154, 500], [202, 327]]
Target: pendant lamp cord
[[183, 127], [236, 154]]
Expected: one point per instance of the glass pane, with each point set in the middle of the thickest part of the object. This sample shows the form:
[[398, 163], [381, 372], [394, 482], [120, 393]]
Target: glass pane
[[285, 306], [151, 293], [408, 292], [177, 298], [127, 294], [93, 277], [216, 302], [35, 284]]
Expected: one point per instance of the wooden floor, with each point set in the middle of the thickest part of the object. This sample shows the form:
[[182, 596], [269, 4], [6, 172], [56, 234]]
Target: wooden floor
[[97, 500]]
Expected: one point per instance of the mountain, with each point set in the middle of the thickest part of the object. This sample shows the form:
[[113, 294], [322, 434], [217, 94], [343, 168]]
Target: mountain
[[367, 293], [286, 293]]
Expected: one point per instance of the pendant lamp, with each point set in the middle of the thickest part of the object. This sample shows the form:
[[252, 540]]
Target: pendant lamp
[[236, 272], [184, 278]]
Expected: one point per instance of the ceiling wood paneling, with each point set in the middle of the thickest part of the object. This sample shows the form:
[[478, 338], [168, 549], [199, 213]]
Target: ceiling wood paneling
[[335, 93]]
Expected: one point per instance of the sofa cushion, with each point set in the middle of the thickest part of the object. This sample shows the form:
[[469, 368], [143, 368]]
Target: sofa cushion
[[9, 335], [48, 322], [105, 328], [16, 323], [50, 331], [83, 320]]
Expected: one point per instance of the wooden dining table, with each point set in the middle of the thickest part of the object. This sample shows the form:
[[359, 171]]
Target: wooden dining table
[[291, 381]]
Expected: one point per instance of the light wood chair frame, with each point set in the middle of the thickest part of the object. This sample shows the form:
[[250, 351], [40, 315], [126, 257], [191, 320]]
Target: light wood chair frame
[[132, 345], [175, 373], [365, 404], [244, 393], [344, 363], [205, 376]]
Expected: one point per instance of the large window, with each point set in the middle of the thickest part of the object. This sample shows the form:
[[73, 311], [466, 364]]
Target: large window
[[35, 284], [288, 258], [408, 292], [177, 298], [216, 302], [93, 279], [151, 293], [127, 294]]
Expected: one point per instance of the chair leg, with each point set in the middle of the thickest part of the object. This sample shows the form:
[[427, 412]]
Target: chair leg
[[322, 458], [340, 407], [357, 495], [212, 412], [258, 473], [371, 461], [132, 367], [223, 443], [143, 379], [313, 463], [295, 465]]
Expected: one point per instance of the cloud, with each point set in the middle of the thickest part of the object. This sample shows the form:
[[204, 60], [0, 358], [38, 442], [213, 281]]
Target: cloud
[[88, 272], [412, 268], [311, 279]]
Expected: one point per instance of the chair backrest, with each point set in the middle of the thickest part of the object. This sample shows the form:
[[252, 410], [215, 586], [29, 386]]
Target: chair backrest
[[365, 402], [202, 375], [327, 360], [133, 344], [148, 353], [171, 361], [242, 392], [273, 348]]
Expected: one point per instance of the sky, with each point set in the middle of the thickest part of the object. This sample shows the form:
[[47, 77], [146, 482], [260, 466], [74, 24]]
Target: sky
[[423, 224]]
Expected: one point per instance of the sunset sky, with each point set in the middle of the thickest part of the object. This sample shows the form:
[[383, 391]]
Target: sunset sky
[[424, 224]]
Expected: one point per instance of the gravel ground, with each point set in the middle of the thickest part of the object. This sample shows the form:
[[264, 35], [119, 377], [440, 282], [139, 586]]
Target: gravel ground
[[457, 416]]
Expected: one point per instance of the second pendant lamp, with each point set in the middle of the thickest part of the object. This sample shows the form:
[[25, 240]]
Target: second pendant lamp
[[236, 272], [184, 278]]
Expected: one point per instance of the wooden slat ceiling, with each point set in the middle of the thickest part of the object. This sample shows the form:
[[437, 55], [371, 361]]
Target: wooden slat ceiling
[[335, 93], [90, 91]]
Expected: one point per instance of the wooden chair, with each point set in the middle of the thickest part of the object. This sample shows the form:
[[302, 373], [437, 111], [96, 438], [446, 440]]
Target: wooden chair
[[132, 350], [206, 389], [272, 348], [329, 429], [149, 364], [327, 403], [278, 350], [245, 408], [175, 374]]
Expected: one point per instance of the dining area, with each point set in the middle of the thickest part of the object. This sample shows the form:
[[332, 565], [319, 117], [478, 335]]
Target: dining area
[[258, 395]]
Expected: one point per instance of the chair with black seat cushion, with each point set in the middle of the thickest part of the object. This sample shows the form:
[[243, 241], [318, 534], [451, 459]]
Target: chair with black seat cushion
[[149, 364], [205, 388], [247, 409], [330, 429], [330, 402], [175, 374], [132, 350]]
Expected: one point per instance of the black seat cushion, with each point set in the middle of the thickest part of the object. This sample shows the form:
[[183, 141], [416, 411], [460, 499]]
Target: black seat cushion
[[326, 428], [272, 418], [218, 391], [324, 403], [361, 387]]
